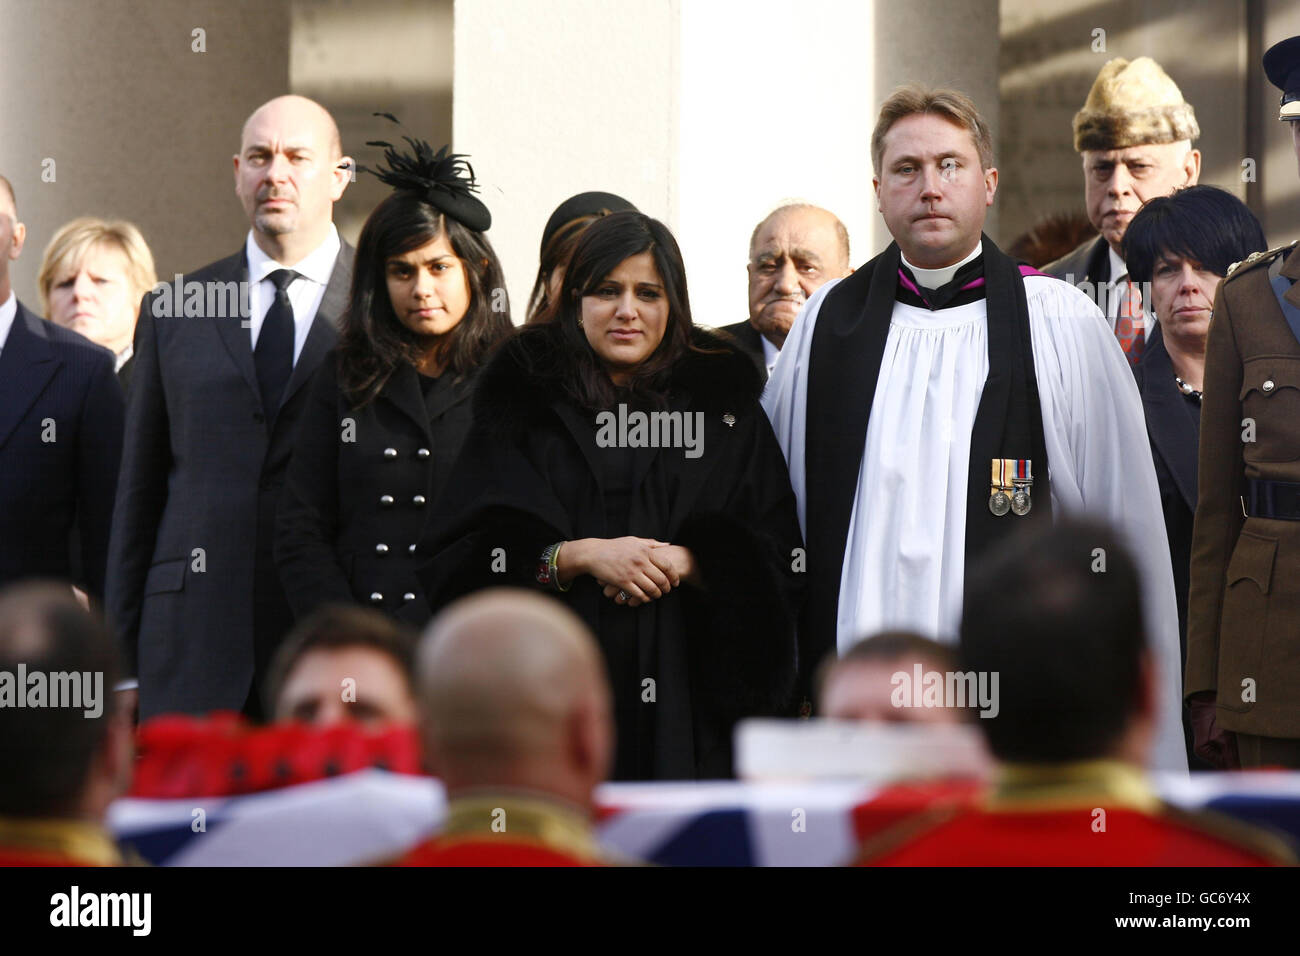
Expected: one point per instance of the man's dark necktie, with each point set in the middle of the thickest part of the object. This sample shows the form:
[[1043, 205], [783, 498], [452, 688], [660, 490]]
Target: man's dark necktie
[[273, 356]]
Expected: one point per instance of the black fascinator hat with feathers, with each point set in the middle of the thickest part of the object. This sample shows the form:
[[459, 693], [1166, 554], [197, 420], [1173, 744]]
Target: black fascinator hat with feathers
[[444, 179]]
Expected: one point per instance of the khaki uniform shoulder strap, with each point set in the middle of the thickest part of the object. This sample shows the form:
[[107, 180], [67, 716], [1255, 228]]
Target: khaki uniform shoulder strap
[[1255, 259]]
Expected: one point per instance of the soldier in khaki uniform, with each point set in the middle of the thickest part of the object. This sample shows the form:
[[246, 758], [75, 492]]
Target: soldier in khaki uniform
[[1243, 634]]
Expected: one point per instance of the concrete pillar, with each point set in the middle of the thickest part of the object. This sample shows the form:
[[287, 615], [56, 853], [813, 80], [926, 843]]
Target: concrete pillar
[[705, 115], [119, 108], [355, 57]]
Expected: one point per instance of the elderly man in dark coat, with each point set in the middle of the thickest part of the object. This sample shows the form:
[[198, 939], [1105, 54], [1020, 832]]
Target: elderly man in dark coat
[[1135, 135]]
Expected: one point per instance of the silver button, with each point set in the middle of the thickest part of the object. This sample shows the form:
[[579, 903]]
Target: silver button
[[386, 501], [1268, 386], [408, 596], [381, 548], [418, 501], [376, 597], [411, 549], [423, 453], [390, 452]]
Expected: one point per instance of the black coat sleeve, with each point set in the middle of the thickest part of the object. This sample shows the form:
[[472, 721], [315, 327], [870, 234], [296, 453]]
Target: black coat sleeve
[[494, 518], [750, 561], [99, 455], [141, 489], [307, 522]]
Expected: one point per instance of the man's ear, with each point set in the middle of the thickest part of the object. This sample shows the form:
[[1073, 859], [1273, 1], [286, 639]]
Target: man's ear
[[343, 171], [19, 237], [875, 186], [990, 184], [1192, 166]]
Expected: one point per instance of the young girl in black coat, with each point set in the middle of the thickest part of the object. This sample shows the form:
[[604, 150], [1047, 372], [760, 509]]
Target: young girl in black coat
[[390, 408]]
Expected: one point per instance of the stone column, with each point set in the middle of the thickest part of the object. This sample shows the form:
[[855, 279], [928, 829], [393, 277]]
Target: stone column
[[706, 115], [133, 110]]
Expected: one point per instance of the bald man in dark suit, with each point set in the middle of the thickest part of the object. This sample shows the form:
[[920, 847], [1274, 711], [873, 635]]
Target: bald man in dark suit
[[215, 401]]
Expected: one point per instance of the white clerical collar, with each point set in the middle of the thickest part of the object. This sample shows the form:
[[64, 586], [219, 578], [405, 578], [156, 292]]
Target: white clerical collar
[[317, 265], [8, 311], [937, 278]]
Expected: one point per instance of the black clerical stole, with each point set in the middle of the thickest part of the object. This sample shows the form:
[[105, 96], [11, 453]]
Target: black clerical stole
[[843, 368]]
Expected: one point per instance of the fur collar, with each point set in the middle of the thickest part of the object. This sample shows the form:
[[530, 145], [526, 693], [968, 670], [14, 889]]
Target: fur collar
[[519, 383]]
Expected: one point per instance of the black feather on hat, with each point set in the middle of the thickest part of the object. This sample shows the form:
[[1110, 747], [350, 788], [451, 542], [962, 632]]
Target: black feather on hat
[[446, 180]]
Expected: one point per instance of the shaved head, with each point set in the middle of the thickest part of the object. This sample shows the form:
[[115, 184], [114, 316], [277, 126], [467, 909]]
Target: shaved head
[[7, 201], [303, 112], [288, 175], [513, 693]]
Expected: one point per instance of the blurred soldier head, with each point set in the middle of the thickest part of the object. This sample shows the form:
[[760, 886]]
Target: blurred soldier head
[[65, 750], [344, 664], [861, 685], [12, 235], [1135, 134], [792, 254], [1057, 614], [1282, 65], [513, 694], [289, 172]]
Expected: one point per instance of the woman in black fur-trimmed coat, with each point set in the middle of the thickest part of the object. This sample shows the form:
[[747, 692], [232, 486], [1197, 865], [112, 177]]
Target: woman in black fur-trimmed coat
[[682, 559]]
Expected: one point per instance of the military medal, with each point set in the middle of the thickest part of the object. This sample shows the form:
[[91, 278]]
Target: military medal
[[1015, 475], [999, 503], [1022, 479]]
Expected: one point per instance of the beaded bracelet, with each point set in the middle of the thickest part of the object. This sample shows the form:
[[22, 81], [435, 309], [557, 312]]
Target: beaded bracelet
[[548, 568]]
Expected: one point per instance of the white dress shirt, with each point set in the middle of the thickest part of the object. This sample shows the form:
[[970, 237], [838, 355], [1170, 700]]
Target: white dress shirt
[[305, 293], [8, 312], [770, 353]]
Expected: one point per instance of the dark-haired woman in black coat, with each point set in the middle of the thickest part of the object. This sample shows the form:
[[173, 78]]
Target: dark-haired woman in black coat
[[620, 460], [390, 408]]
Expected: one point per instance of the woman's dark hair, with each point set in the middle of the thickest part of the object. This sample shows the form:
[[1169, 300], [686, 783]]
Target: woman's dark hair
[[601, 247], [374, 341], [555, 255], [1205, 224]]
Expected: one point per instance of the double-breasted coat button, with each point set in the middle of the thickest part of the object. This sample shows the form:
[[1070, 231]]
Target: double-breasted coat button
[[386, 501], [418, 501], [423, 453], [381, 548], [390, 452], [408, 596], [376, 597], [411, 549], [1268, 386]]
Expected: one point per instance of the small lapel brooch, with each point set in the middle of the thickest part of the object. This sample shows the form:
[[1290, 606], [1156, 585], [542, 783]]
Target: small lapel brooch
[[728, 419]]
